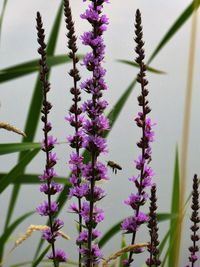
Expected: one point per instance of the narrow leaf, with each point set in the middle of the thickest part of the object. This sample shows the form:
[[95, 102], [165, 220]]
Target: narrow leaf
[[174, 208], [133, 64], [116, 228], [175, 27], [40, 258], [17, 170], [11, 229], [17, 147], [125, 255], [33, 179], [2, 15], [31, 67]]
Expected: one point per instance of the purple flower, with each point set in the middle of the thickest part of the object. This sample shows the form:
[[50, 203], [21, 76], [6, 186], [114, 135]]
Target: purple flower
[[94, 256], [131, 224], [48, 174], [60, 256], [100, 171], [83, 236], [49, 236], [44, 210], [98, 214], [52, 189]]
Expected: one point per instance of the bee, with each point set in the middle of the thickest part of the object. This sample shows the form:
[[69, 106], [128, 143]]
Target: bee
[[114, 166]]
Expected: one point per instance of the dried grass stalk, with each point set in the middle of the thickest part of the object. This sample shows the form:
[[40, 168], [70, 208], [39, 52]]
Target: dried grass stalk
[[122, 251], [33, 228], [9, 127]]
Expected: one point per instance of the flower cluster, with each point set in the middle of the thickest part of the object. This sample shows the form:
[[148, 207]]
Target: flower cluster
[[90, 136], [144, 178], [49, 187]]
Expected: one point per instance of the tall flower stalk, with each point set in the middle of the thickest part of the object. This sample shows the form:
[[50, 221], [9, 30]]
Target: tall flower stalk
[[144, 178], [49, 187], [75, 119], [153, 260], [94, 128], [194, 248]]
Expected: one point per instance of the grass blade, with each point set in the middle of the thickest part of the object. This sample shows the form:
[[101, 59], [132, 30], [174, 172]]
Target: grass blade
[[17, 147], [116, 228], [125, 255], [175, 27], [40, 258], [133, 64], [2, 15], [5, 236], [31, 67], [33, 179], [175, 206], [186, 128], [17, 170]]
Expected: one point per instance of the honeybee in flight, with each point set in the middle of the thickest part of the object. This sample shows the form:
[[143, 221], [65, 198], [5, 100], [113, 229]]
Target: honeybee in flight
[[114, 166]]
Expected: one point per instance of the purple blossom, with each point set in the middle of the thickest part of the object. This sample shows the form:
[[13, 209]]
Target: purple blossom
[[98, 214], [52, 189], [95, 254], [100, 172], [60, 256], [131, 224], [44, 210], [49, 236], [83, 236], [48, 174]]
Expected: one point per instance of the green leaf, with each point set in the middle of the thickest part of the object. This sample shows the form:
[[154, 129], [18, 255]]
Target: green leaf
[[33, 179], [17, 170], [5, 236], [175, 27], [116, 228], [125, 255], [174, 209], [30, 67], [164, 242], [40, 258], [17, 147], [133, 64], [2, 14]]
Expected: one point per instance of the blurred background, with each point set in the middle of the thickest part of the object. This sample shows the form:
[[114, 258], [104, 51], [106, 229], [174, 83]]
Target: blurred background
[[167, 95]]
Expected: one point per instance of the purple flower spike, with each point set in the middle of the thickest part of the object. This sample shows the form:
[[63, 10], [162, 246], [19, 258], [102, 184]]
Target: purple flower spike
[[143, 179], [49, 187], [95, 124]]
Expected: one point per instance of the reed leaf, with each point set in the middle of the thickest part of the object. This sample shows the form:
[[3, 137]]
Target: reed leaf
[[10, 177], [17, 147], [2, 15], [175, 206], [32, 66], [125, 255], [185, 15], [133, 64], [5, 236], [33, 179]]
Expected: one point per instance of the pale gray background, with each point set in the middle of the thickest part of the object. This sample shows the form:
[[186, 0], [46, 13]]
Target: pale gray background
[[167, 93]]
